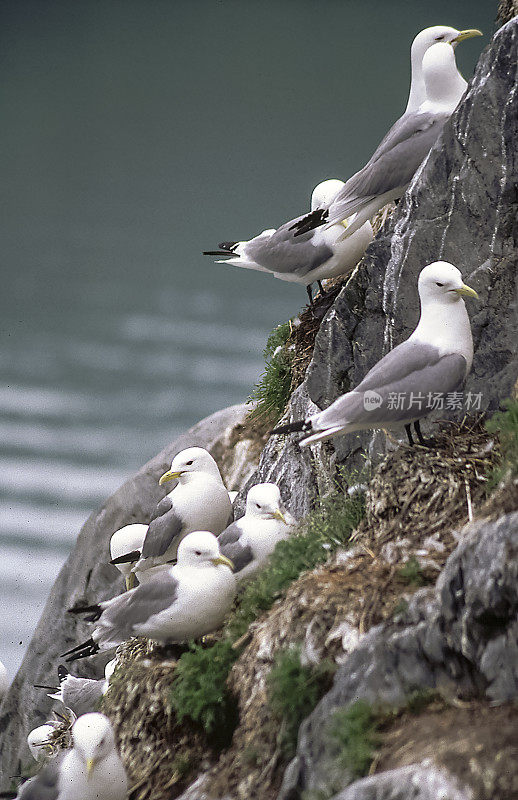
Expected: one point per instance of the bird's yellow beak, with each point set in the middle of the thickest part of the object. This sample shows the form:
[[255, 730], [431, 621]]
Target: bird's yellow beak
[[280, 516], [467, 291], [468, 34], [223, 560], [130, 581], [90, 764], [169, 476]]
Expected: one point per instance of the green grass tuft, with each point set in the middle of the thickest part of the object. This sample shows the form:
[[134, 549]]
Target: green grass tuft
[[355, 731], [294, 690], [412, 573], [272, 393], [505, 424], [199, 686]]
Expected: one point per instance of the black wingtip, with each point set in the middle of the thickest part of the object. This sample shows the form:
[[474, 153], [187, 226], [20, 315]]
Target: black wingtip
[[216, 253], [127, 558], [293, 427], [62, 672], [83, 650], [311, 221], [49, 688]]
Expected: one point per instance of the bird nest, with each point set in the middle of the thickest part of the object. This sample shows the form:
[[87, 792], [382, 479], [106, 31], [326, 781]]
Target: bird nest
[[160, 755], [418, 494]]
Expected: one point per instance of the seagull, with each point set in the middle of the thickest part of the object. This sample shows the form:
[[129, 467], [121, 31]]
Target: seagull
[[4, 681], [313, 257], [128, 539], [41, 742], [388, 173], [91, 770], [184, 602], [434, 360], [80, 695], [199, 501], [249, 541], [425, 39]]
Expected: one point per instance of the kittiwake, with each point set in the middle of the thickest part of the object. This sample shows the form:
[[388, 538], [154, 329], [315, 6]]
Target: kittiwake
[[249, 541], [388, 173], [302, 259], [91, 770], [186, 601], [401, 388]]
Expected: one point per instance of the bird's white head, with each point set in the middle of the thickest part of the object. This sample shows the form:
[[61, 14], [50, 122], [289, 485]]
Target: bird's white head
[[325, 193], [264, 501], [190, 461], [424, 40], [201, 549], [93, 739], [441, 281], [40, 742]]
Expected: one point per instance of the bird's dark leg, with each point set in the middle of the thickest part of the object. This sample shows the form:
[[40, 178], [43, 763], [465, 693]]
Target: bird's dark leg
[[321, 288], [310, 294], [409, 434], [424, 442]]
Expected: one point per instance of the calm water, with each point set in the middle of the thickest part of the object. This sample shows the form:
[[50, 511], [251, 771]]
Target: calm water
[[134, 135]]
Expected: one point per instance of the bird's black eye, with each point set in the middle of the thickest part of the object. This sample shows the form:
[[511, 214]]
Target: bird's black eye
[[258, 506], [198, 552], [439, 284], [188, 463], [439, 38]]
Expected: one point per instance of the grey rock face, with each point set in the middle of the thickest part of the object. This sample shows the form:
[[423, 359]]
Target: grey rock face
[[462, 635], [417, 782], [461, 207], [87, 574]]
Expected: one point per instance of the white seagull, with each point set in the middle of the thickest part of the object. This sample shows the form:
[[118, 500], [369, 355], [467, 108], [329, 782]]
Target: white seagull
[[434, 360], [128, 539], [199, 501], [186, 601], [388, 173], [304, 259], [249, 541], [80, 695], [91, 770]]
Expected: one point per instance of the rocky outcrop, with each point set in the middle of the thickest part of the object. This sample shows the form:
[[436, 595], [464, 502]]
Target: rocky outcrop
[[461, 638], [462, 207], [87, 574]]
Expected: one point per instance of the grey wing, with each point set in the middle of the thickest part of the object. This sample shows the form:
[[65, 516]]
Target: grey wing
[[121, 614], [231, 534], [162, 507], [161, 534], [285, 253], [424, 372], [81, 695], [240, 554], [44, 785], [393, 163]]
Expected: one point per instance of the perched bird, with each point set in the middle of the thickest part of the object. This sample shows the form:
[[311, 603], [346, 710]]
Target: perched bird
[[4, 681], [41, 742], [387, 174], [305, 259], [126, 540], [398, 390], [186, 601], [200, 501], [249, 541], [80, 695], [91, 770], [425, 39]]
